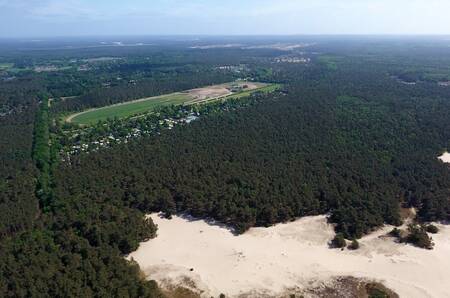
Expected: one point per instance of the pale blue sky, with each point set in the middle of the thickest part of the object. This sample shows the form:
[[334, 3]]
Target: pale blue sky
[[222, 17]]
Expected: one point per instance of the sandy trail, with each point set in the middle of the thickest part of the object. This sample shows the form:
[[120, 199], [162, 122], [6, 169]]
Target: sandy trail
[[286, 256], [205, 94]]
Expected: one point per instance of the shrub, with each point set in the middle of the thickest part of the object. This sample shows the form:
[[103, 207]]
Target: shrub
[[338, 241], [395, 233], [432, 229], [376, 293], [419, 237], [354, 245]]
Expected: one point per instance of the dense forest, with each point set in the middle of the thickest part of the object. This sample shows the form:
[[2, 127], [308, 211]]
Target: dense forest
[[44, 252], [344, 138], [18, 205], [358, 153]]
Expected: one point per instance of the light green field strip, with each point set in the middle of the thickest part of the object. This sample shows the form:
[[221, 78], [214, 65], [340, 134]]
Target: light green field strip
[[127, 109], [4, 66], [266, 89], [145, 105]]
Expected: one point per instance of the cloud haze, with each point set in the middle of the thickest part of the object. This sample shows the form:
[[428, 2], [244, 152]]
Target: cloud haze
[[140, 17]]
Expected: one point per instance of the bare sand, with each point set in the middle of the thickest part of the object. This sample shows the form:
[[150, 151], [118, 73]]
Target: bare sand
[[209, 92], [218, 91], [293, 255], [445, 157]]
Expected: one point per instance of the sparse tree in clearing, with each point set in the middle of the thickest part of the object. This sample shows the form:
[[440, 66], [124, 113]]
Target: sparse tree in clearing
[[395, 233], [338, 241], [419, 237], [354, 245], [432, 229]]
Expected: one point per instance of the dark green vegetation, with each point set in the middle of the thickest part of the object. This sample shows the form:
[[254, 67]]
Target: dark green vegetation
[[419, 237], [73, 249], [164, 83], [329, 61], [432, 229], [376, 290], [353, 245], [41, 152], [343, 137], [416, 235], [347, 286], [338, 241], [18, 206], [73, 139], [352, 142]]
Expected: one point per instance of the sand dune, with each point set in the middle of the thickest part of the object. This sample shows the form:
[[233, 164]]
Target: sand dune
[[445, 157], [271, 260]]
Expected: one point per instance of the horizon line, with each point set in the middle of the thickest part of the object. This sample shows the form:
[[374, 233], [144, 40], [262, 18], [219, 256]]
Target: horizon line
[[229, 35]]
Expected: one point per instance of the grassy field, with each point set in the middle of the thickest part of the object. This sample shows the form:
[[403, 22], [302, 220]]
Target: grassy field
[[5, 66], [146, 105], [330, 61], [127, 109], [266, 89]]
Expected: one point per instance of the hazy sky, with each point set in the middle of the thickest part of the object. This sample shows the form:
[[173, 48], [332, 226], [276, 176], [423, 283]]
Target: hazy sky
[[163, 17]]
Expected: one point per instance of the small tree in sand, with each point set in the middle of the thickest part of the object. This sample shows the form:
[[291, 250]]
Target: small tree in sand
[[419, 237], [338, 241], [432, 229], [354, 245]]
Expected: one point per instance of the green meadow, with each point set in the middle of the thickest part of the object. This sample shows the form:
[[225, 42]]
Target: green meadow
[[146, 105], [128, 109]]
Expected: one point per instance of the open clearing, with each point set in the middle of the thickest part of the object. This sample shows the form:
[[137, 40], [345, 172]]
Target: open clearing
[[5, 66], [445, 157], [194, 96], [211, 260]]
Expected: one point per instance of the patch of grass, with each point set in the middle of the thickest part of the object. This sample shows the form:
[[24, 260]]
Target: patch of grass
[[437, 76], [15, 70], [6, 66], [349, 100], [330, 61], [129, 109], [377, 290], [266, 89]]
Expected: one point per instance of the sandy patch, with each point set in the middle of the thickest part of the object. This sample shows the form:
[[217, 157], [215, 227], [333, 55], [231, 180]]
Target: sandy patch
[[293, 255], [217, 91], [209, 92], [445, 157]]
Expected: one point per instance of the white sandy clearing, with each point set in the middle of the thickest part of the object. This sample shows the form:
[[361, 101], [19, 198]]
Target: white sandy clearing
[[295, 254], [204, 94], [445, 157]]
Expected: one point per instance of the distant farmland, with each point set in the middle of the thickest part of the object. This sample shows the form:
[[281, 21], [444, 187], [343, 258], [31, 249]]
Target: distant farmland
[[189, 97], [5, 66]]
